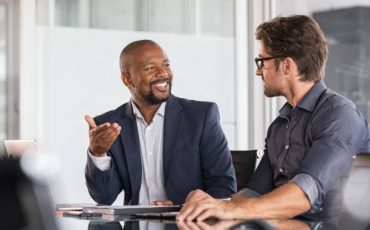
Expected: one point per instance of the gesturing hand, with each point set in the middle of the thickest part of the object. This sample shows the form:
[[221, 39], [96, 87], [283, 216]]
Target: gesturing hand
[[102, 136]]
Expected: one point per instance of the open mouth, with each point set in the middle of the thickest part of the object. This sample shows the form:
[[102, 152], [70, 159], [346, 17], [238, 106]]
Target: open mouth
[[160, 85]]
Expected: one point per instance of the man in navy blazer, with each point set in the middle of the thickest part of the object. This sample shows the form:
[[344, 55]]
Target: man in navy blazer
[[156, 147]]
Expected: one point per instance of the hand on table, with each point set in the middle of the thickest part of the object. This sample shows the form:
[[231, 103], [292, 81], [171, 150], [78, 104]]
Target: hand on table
[[200, 206], [162, 202]]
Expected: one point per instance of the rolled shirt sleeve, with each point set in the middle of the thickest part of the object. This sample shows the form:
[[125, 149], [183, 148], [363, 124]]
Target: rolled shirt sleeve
[[309, 187]]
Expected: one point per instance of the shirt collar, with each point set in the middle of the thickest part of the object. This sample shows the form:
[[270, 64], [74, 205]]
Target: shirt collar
[[308, 102], [161, 110]]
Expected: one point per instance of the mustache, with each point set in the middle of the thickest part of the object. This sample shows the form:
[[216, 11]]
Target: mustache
[[161, 80]]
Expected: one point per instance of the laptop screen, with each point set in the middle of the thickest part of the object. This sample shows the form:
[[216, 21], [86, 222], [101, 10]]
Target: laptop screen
[[16, 148]]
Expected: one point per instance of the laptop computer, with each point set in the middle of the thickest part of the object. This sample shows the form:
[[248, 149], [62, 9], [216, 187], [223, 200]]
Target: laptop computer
[[131, 209], [16, 148]]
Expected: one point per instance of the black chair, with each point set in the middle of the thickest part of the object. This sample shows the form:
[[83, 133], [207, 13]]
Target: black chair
[[244, 163]]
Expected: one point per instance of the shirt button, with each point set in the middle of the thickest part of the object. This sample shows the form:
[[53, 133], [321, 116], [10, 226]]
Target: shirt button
[[286, 146], [281, 170], [287, 126]]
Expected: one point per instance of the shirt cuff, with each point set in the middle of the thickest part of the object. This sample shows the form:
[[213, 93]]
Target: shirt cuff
[[102, 163], [308, 185]]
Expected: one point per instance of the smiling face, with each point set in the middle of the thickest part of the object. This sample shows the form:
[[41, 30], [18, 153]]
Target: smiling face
[[271, 75], [148, 75]]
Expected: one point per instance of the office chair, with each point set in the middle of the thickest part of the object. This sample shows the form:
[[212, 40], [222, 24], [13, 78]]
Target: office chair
[[356, 200], [245, 162]]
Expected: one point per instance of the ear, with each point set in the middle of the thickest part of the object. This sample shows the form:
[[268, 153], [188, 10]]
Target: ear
[[126, 79], [288, 65]]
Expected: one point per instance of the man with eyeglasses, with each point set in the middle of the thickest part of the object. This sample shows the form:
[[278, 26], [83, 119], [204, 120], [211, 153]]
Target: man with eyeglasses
[[309, 146]]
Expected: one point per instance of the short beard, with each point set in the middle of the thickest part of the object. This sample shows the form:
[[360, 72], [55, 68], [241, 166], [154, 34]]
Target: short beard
[[154, 100], [272, 93]]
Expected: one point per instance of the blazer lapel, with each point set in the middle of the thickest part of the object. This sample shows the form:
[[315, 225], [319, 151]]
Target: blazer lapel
[[172, 124], [130, 140]]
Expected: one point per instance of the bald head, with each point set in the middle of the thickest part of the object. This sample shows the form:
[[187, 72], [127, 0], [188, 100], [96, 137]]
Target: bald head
[[131, 48]]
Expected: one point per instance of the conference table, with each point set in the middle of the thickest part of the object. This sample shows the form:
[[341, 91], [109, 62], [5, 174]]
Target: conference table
[[110, 222], [119, 222]]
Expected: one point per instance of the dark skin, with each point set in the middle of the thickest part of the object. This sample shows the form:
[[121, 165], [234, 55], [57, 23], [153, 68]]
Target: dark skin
[[147, 72]]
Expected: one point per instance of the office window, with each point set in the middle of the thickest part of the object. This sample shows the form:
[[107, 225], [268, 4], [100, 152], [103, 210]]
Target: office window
[[347, 29], [111, 14], [174, 16], [200, 17], [217, 17], [66, 13], [3, 70]]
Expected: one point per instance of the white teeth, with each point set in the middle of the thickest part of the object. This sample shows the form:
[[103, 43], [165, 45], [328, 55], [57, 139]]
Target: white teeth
[[161, 84]]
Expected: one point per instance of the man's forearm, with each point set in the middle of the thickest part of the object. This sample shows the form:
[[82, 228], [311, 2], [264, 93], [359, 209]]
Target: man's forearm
[[286, 201]]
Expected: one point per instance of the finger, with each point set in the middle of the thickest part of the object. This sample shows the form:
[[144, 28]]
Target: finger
[[182, 225], [197, 211], [90, 121], [105, 130], [100, 129], [162, 202], [190, 211], [210, 212], [192, 225], [109, 134], [196, 195], [156, 202], [185, 211], [204, 226]]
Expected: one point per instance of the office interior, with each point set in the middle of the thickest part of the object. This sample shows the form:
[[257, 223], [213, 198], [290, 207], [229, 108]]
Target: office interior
[[59, 62]]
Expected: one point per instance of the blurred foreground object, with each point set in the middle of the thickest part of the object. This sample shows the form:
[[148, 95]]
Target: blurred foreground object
[[24, 203], [356, 205]]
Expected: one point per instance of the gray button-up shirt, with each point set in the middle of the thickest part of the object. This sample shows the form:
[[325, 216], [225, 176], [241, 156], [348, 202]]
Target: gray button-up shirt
[[151, 147], [312, 144]]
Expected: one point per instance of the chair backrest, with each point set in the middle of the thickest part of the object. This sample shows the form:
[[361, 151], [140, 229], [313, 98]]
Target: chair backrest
[[244, 163], [356, 201]]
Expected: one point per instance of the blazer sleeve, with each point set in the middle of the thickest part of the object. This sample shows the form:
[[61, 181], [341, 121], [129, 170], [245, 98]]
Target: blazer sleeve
[[217, 168], [103, 186]]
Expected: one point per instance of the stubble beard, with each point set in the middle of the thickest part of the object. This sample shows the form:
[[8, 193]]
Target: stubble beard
[[152, 99], [272, 92]]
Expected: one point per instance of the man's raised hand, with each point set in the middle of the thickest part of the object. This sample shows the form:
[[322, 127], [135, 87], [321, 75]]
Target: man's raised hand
[[102, 136]]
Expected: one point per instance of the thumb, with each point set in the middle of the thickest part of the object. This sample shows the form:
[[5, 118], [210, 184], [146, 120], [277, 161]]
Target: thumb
[[90, 121]]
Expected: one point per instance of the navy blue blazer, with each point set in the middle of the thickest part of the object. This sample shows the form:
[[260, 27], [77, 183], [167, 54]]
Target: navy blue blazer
[[195, 154]]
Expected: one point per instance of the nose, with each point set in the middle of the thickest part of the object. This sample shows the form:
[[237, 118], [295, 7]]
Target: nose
[[258, 72], [162, 72]]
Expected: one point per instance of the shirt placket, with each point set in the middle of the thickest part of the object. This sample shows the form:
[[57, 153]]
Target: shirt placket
[[282, 157], [149, 146]]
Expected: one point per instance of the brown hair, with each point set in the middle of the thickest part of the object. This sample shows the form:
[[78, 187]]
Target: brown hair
[[125, 53], [300, 38]]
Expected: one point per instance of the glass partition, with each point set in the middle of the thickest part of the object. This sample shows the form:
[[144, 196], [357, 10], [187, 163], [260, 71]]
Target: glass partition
[[200, 17], [346, 25], [3, 75]]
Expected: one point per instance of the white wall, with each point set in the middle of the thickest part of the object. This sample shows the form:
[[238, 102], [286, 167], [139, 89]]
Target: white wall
[[77, 74]]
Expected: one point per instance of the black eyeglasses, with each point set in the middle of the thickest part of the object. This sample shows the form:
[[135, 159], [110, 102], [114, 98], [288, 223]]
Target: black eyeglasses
[[259, 60]]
